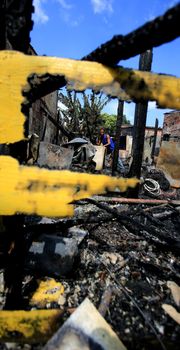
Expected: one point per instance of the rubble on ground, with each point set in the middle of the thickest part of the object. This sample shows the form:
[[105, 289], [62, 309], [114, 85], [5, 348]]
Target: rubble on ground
[[131, 249], [120, 253]]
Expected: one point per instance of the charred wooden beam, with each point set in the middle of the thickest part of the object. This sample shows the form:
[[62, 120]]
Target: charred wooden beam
[[140, 229], [3, 32], [138, 138], [17, 24], [56, 123], [14, 261], [139, 201], [155, 269], [145, 64], [154, 140], [152, 34], [118, 134], [42, 85]]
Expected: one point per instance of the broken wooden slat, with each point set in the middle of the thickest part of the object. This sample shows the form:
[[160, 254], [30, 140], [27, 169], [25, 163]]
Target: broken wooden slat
[[172, 312], [138, 228], [175, 291], [49, 192], [105, 301], [85, 329], [119, 121], [124, 83], [138, 201], [29, 326]]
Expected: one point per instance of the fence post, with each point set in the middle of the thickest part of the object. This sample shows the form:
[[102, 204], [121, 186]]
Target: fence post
[[154, 140], [145, 63], [118, 134]]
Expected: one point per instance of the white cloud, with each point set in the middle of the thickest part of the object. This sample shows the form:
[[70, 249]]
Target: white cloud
[[40, 16], [65, 5], [68, 18], [100, 6], [67, 14]]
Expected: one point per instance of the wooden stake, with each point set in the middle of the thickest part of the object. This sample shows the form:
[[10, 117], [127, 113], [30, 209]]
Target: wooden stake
[[145, 63], [154, 140], [118, 134]]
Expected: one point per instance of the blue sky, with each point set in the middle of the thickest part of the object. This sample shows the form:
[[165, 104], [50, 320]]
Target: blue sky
[[73, 28]]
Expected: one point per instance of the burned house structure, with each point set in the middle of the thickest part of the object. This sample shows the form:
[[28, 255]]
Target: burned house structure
[[41, 110], [43, 115], [126, 141], [119, 252], [169, 156], [171, 126], [170, 131]]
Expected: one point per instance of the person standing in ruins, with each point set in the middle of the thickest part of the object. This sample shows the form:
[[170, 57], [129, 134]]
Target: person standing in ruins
[[106, 141]]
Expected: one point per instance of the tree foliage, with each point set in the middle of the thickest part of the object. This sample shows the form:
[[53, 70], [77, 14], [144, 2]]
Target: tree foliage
[[109, 122], [82, 112]]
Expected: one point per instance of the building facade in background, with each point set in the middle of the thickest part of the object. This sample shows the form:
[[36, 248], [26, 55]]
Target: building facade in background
[[171, 126], [126, 141]]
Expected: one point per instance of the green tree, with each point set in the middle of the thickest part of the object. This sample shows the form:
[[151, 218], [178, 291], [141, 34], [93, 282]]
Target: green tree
[[109, 122]]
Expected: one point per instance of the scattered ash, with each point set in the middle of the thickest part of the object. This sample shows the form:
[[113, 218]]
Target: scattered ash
[[113, 257]]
